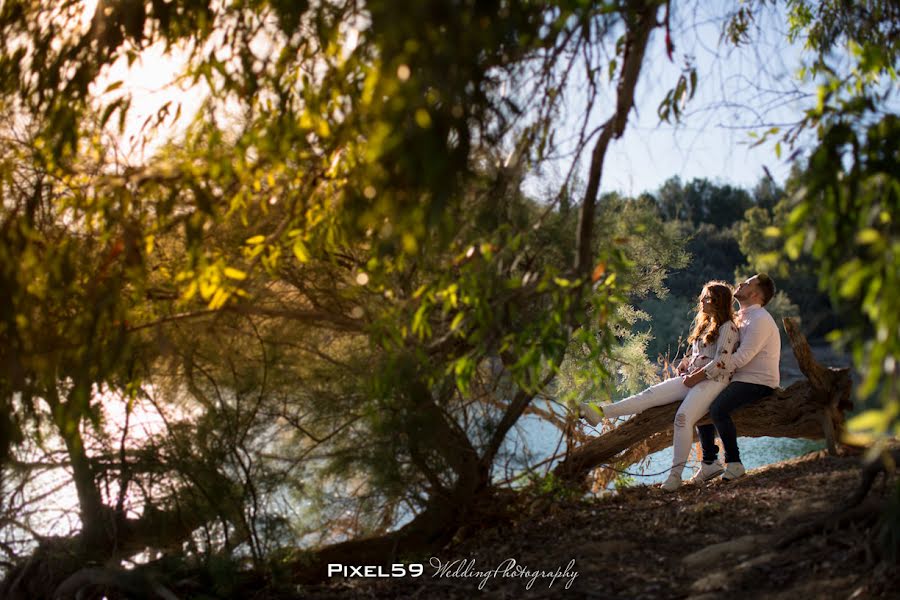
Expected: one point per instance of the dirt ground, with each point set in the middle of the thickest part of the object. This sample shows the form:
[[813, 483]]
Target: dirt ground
[[702, 542]]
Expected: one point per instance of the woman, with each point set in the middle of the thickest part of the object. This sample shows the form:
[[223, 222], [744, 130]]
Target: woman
[[713, 342]]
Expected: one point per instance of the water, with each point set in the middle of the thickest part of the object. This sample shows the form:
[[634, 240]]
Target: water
[[541, 439], [755, 453]]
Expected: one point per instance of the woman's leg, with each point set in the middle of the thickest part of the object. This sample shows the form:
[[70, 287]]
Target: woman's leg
[[695, 405], [670, 390]]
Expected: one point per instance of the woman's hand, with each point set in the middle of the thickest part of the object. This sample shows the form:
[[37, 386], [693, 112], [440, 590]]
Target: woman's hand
[[694, 378]]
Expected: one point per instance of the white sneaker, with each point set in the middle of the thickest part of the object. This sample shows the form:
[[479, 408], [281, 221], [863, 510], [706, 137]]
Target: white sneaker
[[707, 472], [733, 471], [672, 483], [589, 414]]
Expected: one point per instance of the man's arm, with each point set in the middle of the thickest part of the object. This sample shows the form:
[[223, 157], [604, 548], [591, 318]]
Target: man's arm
[[753, 338]]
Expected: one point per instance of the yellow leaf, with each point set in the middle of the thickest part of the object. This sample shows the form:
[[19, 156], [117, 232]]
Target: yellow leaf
[[873, 419], [233, 273], [219, 299], [410, 245], [207, 288], [423, 119], [300, 250], [857, 438], [256, 239], [868, 236]]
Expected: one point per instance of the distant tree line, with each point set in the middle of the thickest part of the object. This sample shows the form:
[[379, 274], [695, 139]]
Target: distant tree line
[[726, 232]]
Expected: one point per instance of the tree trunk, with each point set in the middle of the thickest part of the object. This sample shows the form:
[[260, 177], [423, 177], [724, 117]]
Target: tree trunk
[[812, 409]]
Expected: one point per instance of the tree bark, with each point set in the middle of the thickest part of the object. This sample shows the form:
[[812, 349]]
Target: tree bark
[[812, 409]]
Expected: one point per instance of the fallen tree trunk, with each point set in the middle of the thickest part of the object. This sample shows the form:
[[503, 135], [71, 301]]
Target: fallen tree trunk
[[812, 409]]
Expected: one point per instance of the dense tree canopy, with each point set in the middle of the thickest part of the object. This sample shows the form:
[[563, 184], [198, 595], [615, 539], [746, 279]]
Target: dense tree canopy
[[306, 324]]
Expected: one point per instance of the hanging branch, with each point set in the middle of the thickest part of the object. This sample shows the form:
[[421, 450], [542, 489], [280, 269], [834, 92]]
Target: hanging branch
[[636, 37]]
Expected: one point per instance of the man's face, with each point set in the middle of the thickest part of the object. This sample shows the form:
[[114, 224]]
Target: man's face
[[748, 290]]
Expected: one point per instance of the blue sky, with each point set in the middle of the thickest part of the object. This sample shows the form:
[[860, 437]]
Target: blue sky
[[740, 90]]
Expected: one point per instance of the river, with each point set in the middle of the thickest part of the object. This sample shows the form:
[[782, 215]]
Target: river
[[542, 439]]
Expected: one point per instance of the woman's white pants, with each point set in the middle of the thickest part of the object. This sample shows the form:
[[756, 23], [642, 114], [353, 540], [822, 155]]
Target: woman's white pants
[[695, 403]]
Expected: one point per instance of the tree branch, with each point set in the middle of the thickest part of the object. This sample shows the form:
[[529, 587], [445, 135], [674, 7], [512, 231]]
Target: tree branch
[[636, 36]]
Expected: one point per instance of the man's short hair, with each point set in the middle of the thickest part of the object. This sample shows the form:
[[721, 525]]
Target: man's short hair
[[767, 286]]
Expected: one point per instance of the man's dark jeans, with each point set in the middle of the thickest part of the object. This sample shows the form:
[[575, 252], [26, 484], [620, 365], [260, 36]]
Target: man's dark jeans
[[736, 395]]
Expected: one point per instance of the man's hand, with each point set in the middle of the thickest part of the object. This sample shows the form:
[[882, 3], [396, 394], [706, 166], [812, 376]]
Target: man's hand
[[694, 378]]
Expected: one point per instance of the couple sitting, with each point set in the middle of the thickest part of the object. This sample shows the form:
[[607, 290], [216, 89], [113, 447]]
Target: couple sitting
[[733, 362]]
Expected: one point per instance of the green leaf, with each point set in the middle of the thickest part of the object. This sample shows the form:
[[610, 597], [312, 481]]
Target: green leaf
[[850, 287], [457, 321], [420, 324], [794, 244]]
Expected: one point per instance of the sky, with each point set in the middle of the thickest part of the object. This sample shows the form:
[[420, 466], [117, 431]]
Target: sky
[[740, 90], [712, 140]]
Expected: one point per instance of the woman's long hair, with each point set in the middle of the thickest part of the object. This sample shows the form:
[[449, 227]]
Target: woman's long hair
[[706, 326]]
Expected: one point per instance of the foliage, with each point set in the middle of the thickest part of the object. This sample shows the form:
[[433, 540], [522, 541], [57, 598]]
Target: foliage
[[329, 290], [551, 487], [702, 201], [623, 481], [714, 253], [844, 215], [669, 323], [845, 219], [796, 280], [627, 223]]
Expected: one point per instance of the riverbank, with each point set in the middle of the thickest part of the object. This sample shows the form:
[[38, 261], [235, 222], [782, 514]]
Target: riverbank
[[700, 542]]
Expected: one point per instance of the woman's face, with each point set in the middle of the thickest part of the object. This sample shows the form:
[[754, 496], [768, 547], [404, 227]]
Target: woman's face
[[706, 301]]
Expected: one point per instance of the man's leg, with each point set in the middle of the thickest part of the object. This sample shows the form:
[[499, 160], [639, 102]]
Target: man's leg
[[707, 435], [736, 395]]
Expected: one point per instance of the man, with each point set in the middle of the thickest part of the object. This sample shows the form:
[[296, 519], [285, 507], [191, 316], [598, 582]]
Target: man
[[756, 376]]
